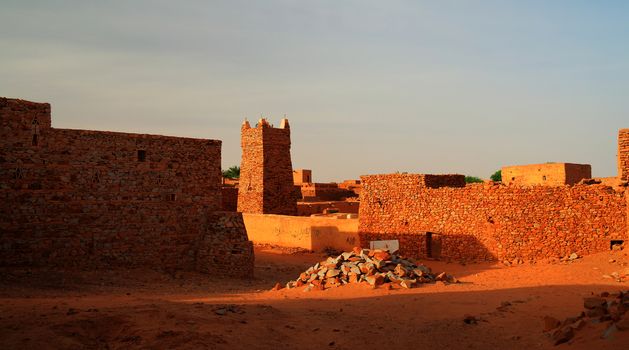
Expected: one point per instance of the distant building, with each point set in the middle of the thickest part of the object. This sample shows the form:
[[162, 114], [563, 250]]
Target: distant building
[[548, 174]]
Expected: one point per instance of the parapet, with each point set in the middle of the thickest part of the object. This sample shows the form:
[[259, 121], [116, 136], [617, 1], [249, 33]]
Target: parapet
[[623, 154], [264, 123], [24, 114]]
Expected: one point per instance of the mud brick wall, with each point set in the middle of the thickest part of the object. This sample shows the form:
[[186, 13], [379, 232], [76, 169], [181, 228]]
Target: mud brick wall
[[266, 170], [623, 154], [549, 174], [78, 197], [491, 222]]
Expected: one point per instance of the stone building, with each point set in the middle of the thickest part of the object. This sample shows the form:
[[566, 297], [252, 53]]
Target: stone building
[[266, 170], [94, 198], [548, 174]]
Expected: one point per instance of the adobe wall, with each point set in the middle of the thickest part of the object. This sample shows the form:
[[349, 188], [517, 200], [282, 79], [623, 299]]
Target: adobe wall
[[491, 222], [266, 171], [312, 233], [78, 197], [548, 174], [623, 154]]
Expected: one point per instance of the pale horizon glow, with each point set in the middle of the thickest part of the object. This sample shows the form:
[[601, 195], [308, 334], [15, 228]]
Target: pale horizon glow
[[368, 86]]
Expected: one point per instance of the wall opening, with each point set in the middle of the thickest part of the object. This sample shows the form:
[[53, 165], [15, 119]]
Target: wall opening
[[612, 243], [34, 141], [173, 197], [433, 245], [141, 155]]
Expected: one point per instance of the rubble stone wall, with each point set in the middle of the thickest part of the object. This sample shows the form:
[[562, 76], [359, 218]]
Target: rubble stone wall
[[230, 198], [309, 208], [78, 197], [266, 172], [325, 192], [491, 222]]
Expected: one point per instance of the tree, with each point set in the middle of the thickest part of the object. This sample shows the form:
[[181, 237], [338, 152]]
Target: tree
[[232, 173], [497, 176], [473, 179]]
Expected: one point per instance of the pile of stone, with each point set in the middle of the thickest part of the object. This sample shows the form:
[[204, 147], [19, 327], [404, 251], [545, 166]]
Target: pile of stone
[[609, 309], [375, 267]]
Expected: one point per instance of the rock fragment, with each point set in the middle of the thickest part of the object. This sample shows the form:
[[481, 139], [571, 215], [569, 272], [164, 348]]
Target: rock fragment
[[374, 266]]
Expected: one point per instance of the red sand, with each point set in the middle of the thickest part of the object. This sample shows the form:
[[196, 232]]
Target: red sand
[[42, 309]]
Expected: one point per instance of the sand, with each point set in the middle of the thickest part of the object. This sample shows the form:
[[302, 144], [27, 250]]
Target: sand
[[145, 309]]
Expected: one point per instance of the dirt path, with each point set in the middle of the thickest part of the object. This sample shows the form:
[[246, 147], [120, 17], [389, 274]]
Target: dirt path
[[153, 310]]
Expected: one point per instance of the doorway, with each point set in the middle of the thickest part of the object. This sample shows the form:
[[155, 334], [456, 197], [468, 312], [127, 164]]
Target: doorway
[[433, 245]]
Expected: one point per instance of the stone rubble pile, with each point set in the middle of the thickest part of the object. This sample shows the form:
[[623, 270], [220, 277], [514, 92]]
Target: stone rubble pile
[[609, 309], [374, 267]]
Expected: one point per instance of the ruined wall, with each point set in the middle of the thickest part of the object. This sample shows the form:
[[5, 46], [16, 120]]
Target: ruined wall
[[77, 197], [489, 222], [266, 171], [549, 174], [623, 154]]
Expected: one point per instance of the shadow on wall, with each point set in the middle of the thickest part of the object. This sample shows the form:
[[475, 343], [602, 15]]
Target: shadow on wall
[[322, 237], [434, 245]]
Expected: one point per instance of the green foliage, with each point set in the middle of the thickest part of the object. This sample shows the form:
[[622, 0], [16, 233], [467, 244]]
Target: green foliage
[[473, 179], [232, 173], [497, 176]]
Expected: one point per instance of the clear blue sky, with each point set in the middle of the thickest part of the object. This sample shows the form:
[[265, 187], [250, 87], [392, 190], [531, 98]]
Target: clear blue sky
[[368, 86]]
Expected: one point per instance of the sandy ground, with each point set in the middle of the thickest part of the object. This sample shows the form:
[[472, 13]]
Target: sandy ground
[[128, 309]]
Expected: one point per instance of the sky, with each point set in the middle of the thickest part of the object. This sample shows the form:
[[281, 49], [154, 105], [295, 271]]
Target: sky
[[368, 86]]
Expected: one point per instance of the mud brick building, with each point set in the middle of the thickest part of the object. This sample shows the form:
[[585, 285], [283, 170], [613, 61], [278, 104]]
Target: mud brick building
[[91, 198], [301, 176], [266, 170], [548, 174]]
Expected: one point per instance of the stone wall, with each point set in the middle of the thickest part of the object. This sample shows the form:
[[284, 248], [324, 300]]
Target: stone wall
[[489, 221], [230, 198], [623, 154], [310, 208], [324, 192], [77, 197], [266, 171], [548, 174]]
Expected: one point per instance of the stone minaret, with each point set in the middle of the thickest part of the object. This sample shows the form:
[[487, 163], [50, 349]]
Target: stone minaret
[[266, 171]]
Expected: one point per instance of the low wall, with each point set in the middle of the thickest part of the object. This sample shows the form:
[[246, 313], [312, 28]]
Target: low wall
[[309, 208], [311, 233], [491, 222]]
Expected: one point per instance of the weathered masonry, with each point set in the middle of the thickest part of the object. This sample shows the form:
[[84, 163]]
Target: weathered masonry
[[266, 171], [439, 216], [93, 198], [490, 222]]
